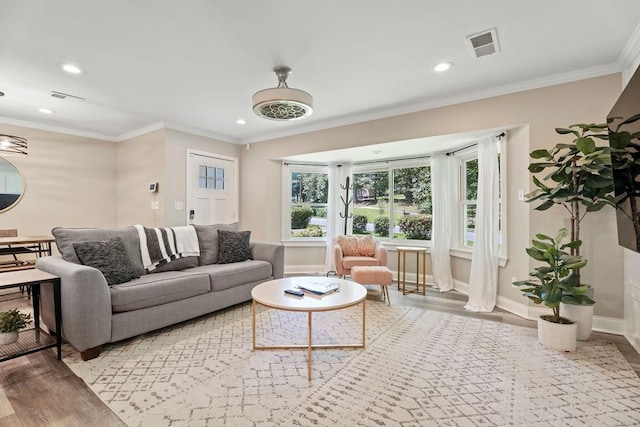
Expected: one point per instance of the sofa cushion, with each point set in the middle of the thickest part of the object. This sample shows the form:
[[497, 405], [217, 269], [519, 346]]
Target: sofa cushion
[[208, 241], [177, 264], [233, 246], [224, 276], [155, 289], [109, 257], [352, 261], [66, 237]]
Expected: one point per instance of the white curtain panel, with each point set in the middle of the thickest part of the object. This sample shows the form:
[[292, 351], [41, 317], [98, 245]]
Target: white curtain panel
[[483, 280], [335, 223], [444, 185]]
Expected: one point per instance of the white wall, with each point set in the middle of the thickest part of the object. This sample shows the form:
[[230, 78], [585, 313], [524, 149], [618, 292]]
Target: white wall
[[69, 181], [175, 161], [141, 162]]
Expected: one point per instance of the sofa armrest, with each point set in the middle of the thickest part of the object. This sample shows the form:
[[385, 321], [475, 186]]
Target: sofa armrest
[[271, 252], [86, 302], [337, 259]]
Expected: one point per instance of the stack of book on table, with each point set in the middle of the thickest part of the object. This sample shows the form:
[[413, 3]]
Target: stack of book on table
[[319, 288]]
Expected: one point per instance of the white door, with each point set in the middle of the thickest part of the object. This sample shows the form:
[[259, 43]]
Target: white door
[[211, 189]]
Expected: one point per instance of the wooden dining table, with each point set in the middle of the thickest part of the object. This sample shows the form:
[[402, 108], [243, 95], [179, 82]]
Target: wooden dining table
[[11, 247]]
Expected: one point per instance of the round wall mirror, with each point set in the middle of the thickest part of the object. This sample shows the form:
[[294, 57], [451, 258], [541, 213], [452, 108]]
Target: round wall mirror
[[11, 185]]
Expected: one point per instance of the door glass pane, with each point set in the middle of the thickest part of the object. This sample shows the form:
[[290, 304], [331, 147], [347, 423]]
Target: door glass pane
[[219, 173], [202, 183], [211, 183], [219, 184], [202, 171]]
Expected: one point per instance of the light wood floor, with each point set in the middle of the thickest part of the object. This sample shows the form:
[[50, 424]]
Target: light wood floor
[[37, 390]]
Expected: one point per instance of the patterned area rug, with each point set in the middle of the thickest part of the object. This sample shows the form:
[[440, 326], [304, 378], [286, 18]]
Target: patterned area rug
[[420, 368]]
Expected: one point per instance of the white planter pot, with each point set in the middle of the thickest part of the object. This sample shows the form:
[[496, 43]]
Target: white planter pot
[[8, 337], [582, 315], [557, 336]]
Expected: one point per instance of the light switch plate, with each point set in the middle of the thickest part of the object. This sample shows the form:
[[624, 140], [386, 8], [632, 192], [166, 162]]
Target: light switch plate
[[179, 206]]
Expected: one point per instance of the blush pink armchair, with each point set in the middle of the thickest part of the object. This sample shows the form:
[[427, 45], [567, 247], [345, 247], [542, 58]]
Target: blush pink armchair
[[345, 261]]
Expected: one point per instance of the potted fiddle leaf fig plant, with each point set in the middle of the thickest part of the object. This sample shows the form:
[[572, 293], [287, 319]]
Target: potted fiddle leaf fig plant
[[579, 178], [555, 282], [10, 323]]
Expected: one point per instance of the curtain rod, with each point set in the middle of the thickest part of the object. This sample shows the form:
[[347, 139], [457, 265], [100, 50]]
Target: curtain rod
[[472, 145]]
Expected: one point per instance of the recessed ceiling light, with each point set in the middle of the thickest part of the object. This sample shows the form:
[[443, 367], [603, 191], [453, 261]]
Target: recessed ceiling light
[[241, 121], [73, 69], [46, 111], [443, 66], [377, 151]]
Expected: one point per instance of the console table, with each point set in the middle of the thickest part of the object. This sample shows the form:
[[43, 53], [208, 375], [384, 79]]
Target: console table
[[13, 246], [32, 340]]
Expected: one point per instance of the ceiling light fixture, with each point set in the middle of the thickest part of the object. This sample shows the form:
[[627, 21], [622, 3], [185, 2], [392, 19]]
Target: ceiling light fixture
[[46, 111], [443, 66], [73, 69], [282, 103], [13, 145], [241, 122]]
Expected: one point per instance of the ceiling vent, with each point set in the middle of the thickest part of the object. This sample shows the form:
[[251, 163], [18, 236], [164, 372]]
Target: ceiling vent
[[483, 43], [282, 103], [66, 96]]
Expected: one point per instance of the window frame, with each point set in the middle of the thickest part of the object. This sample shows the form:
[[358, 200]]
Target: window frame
[[390, 166], [288, 170], [462, 157]]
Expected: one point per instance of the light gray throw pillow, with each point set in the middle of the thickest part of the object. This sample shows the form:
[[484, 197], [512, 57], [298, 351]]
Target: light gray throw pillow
[[208, 241]]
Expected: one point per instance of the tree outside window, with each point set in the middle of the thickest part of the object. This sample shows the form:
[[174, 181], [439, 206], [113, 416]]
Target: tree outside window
[[406, 215], [469, 200], [308, 204]]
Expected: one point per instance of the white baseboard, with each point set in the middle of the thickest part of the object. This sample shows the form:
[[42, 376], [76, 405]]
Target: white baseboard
[[634, 340], [304, 269], [607, 325]]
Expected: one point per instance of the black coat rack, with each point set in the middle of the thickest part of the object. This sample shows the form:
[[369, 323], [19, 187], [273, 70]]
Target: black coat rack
[[346, 201]]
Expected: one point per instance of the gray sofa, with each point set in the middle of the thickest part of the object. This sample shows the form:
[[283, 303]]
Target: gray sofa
[[94, 313]]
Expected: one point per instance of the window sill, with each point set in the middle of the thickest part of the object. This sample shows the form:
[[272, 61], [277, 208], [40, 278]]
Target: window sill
[[305, 243], [468, 253]]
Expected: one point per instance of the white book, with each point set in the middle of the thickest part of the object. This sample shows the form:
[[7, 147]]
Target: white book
[[319, 288]]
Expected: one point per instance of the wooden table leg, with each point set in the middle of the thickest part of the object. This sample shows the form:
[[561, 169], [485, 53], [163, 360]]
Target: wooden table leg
[[364, 309], [398, 270], [253, 322]]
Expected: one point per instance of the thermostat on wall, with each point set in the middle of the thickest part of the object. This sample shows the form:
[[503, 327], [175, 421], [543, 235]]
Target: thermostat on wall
[[153, 187]]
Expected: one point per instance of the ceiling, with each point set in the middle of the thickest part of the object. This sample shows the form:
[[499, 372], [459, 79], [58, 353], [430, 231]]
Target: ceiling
[[193, 65]]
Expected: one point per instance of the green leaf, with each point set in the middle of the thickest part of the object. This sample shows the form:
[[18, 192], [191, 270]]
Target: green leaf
[[543, 237], [539, 154], [586, 145], [573, 245], [536, 254], [576, 265], [563, 131], [544, 206]]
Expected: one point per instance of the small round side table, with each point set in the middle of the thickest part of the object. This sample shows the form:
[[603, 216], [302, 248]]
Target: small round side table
[[402, 269]]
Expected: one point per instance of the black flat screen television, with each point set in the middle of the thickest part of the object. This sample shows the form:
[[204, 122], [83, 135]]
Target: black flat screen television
[[624, 140]]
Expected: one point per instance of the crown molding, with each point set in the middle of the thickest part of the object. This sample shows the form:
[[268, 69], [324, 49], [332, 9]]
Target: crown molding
[[630, 56], [443, 102], [138, 132], [200, 132], [57, 129]]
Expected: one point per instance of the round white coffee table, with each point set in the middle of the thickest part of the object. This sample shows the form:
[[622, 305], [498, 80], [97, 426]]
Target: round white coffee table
[[271, 294]]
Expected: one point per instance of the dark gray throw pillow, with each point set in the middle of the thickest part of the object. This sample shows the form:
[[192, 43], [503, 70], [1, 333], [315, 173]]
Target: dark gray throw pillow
[[233, 246], [110, 257]]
